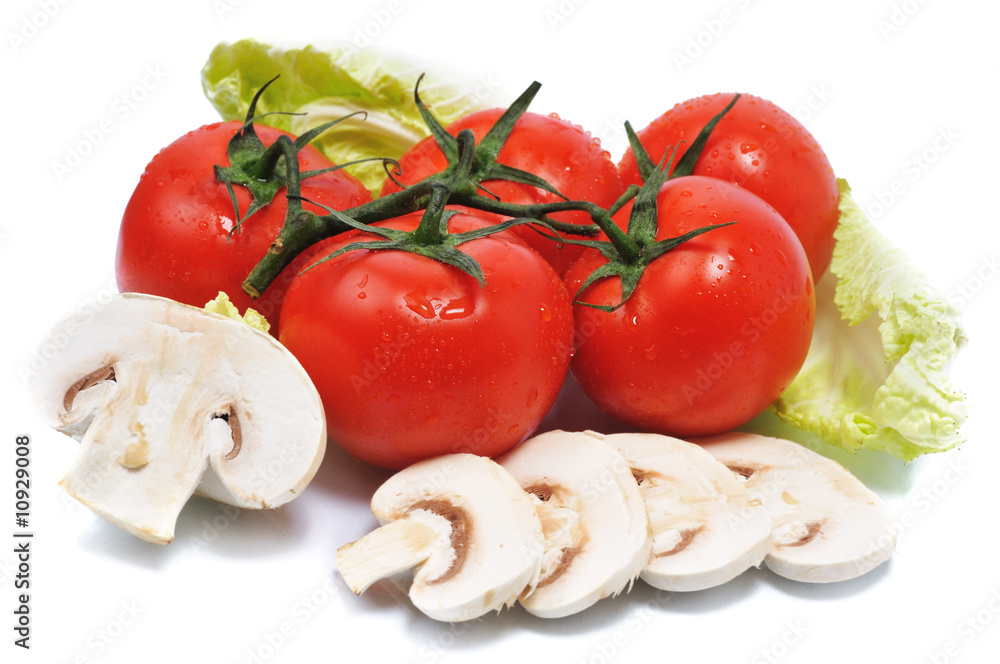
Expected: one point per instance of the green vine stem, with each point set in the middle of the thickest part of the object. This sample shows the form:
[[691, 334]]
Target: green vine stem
[[460, 183]]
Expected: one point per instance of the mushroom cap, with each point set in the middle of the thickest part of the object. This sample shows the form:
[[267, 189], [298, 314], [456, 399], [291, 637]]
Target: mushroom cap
[[597, 534], [168, 399], [826, 525], [489, 538], [707, 529]]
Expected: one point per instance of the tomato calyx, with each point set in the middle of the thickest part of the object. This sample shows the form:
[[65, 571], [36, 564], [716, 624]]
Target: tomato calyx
[[483, 164], [264, 170], [685, 165], [631, 252]]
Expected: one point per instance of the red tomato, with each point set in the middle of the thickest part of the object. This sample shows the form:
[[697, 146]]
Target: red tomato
[[175, 237], [716, 328], [413, 358], [561, 153], [763, 149]]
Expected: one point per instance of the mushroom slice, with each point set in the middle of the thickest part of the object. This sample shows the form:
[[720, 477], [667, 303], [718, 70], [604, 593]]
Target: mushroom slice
[[597, 536], [467, 527], [706, 527], [827, 525], [169, 399]]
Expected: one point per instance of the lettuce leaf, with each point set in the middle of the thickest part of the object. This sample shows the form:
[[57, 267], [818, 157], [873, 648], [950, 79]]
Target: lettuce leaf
[[330, 82], [876, 376], [224, 307]]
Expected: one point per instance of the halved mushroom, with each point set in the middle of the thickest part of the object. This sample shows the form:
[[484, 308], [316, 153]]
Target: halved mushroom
[[467, 527], [706, 527], [597, 536], [827, 525], [168, 399]]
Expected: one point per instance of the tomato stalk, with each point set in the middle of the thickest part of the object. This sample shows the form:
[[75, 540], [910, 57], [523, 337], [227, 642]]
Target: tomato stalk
[[460, 183], [431, 237]]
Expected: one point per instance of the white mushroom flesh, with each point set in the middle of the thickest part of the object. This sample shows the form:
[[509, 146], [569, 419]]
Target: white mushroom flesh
[[487, 539], [167, 400], [707, 529], [598, 538], [827, 525]]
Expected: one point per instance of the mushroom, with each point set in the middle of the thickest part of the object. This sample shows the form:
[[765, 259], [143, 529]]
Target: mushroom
[[168, 399], [706, 527], [465, 525], [597, 536], [827, 525]]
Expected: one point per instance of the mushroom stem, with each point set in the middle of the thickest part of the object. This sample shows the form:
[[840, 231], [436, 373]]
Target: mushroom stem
[[146, 447], [393, 548]]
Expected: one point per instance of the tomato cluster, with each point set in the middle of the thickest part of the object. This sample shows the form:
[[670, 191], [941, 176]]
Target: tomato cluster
[[450, 324]]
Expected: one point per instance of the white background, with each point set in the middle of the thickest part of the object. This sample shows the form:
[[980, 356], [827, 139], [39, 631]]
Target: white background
[[876, 81]]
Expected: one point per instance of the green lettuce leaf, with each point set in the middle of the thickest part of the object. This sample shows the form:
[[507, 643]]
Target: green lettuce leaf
[[876, 376], [330, 82]]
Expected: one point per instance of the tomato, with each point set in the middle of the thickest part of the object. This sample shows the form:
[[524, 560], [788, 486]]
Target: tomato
[[413, 358], [561, 153], [716, 328], [175, 239], [761, 147]]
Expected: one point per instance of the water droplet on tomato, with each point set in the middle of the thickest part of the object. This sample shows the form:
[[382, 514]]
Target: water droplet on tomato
[[395, 398], [782, 258], [459, 307], [750, 146], [419, 304], [203, 225], [715, 154], [545, 313], [652, 352], [686, 193], [362, 295]]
